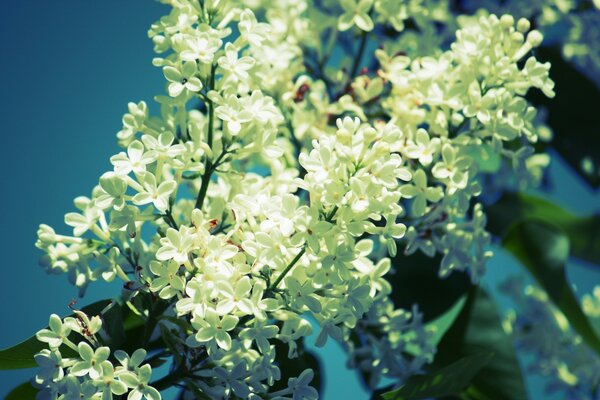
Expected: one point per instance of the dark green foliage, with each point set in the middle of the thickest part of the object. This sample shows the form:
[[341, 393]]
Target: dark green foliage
[[22, 392], [544, 249], [450, 380], [478, 330], [583, 232]]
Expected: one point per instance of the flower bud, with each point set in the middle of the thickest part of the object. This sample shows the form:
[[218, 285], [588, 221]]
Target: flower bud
[[523, 25], [507, 21], [46, 234], [535, 38]]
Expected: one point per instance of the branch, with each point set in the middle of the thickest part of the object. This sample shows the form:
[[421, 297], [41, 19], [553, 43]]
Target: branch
[[357, 58], [287, 269], [209, 140]]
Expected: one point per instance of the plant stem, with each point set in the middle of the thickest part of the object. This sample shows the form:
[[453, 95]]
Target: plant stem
[[329, 217], [211, 107], [204, 186], [210, 168], [355, 64], [209, 140], [358, 57], [168, 216], [288, 268]]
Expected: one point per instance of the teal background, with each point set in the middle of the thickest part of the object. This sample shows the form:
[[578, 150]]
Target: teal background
[[68, 70]]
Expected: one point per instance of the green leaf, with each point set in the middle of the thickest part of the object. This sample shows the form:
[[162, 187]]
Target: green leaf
[[450, 380], [583, 232], [438, 326], [544, 249], [21, 355], [112, 322], [123, 327], [183, 324], [22, 392], [478, 330], [170, 340], [441, 324]]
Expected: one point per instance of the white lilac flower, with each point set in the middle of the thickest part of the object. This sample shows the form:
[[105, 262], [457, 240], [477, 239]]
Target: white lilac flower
[[91, 361], [202, 47], [236, 67], [176, 245], [182, 79], [421, 193], [74, 389], [356, 12], [51, 366], [114, 188], [424, 147], [213, 328], [138, 381], [557, 352], [81, 223], [251, 30], [232, 111], [136, 159], [108, 384], [232, 380], [157, 194], [133, 362], [167, 282], [260, 334], [235, 297], [57, 333]]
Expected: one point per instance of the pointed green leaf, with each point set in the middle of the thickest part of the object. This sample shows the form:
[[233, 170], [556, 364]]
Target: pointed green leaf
[[171, 343], [478, 330], [447, 381], [441, 324], [194, 390], [122, 325], [22, 392], [438, 326], [544, 249], [21, 355], [183, 324], [583, 232], [114, 326]]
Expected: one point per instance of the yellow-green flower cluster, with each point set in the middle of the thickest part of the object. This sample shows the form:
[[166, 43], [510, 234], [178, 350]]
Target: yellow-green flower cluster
[[260, 196]]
